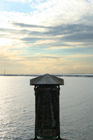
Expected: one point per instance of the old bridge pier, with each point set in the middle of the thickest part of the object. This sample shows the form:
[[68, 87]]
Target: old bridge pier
[[47, 116]]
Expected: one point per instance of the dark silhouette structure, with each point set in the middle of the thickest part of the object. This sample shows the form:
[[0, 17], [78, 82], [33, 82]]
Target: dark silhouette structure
[[47, 122]]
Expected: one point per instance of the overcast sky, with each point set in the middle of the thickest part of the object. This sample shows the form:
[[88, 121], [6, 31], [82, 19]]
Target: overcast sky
[[46, 36]]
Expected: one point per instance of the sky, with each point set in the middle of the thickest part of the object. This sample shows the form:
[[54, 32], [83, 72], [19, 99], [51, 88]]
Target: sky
[[46, 36]]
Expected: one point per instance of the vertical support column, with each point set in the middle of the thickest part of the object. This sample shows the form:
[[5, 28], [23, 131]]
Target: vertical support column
[[36, 110], [58, 113], [35, 113], [44, 97]]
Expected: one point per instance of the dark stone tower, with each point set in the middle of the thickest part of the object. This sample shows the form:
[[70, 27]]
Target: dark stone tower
[[47, 118]]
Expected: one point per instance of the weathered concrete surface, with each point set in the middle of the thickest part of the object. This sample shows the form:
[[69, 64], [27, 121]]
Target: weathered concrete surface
[[47, 79]]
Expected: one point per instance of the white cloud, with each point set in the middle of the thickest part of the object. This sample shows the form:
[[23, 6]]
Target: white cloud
[[52, 12], [5, 41], [67, 11], [46, 13]]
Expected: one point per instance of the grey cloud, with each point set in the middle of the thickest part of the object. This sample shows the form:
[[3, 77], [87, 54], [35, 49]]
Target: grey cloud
[[16, 31], [72, 33], [31, 39], [39, 57], [72, 30], [48, 45], [20, 32], [52, 31], [22, 25], [68, 29], [79, 37]]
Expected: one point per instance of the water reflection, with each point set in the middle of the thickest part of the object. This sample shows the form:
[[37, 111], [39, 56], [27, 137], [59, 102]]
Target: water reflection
[[16, 113]]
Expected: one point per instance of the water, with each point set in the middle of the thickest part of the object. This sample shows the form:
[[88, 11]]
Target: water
[[17, 108]]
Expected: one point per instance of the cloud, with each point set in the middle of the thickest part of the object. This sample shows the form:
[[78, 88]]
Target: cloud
[[23, 25], [54, 36], [69, 29], [69, 33], [39, 56], [81, 55], [47, 12], [60, 29], [32, 39], [79, 37], [68, 11]]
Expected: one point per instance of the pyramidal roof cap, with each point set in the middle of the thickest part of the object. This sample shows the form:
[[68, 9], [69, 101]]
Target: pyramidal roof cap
[[47, 79]]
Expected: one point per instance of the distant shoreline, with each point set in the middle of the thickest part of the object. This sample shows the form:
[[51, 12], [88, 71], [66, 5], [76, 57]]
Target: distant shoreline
[[62, 75]]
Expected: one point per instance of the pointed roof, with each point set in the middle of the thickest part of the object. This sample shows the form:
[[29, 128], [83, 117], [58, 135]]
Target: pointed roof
[[47, 79]]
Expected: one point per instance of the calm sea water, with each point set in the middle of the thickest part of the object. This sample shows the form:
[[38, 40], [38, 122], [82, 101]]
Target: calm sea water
[[17, 108]]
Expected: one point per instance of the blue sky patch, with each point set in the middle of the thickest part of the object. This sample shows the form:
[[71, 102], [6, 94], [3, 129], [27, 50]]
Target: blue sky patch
[[15, 7]]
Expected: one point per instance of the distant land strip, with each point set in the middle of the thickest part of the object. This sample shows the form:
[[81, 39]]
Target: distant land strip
[[62, 75]]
